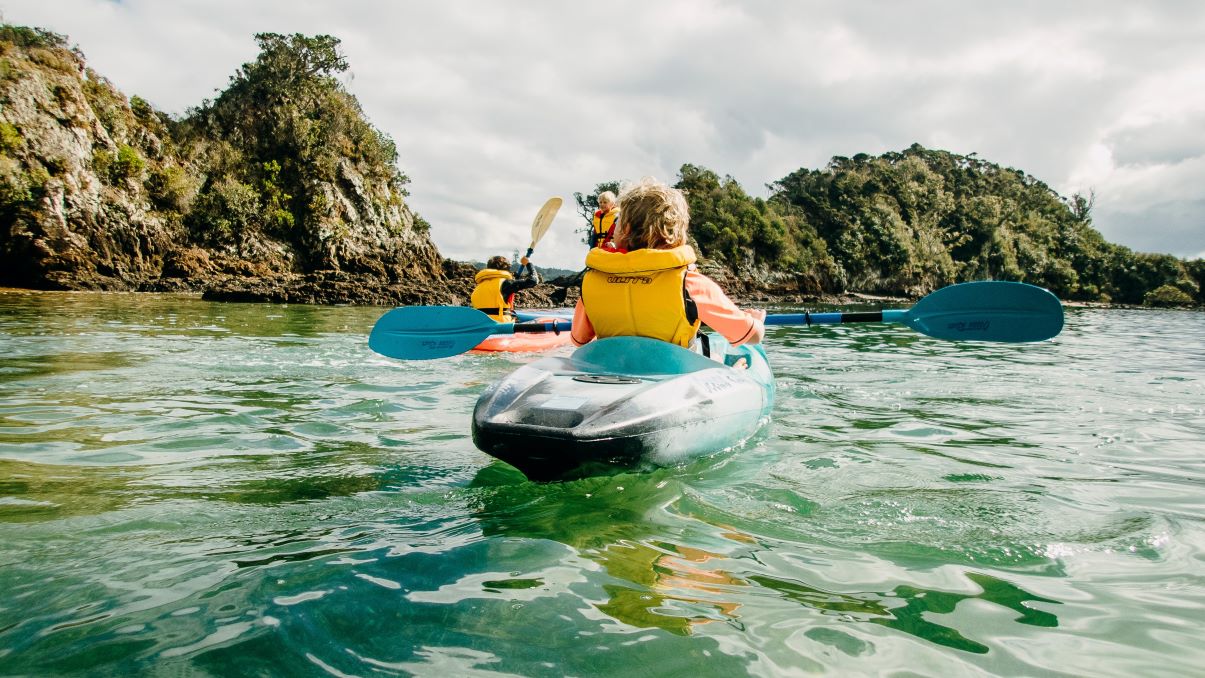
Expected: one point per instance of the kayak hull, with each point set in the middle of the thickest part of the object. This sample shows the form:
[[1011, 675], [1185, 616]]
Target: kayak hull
[[524, 342], [623, 403]]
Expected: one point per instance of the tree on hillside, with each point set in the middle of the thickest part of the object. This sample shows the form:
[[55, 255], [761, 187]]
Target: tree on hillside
[[921, 218], [728, 223], [281, 131]]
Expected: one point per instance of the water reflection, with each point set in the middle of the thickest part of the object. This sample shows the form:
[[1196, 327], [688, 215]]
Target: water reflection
[[911, 610], [675, 587], [49, 314], [679, 587], [612, 521]]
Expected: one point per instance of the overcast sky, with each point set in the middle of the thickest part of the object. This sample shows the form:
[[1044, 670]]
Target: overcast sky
[[496, 106]]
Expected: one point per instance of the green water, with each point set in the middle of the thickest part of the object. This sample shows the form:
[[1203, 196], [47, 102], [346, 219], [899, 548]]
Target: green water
[[189, 488]]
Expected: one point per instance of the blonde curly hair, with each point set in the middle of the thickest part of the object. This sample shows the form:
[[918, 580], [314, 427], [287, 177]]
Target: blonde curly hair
[[652, 215]]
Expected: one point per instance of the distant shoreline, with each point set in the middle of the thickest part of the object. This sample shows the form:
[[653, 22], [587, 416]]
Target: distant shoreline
[[754, 301]]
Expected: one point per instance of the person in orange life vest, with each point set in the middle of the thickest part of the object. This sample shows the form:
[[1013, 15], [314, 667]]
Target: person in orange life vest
[[648, 284], [496, 288], [602, 227]]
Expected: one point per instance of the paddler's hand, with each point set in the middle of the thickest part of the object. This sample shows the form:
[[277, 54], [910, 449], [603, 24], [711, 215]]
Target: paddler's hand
[[758, 331], [524, 261]]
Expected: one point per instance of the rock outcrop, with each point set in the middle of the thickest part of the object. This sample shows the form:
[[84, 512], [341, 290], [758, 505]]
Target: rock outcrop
[[76, 211], [100, 191]]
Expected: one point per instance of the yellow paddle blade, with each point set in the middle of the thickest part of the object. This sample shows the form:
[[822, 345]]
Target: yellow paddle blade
[[544, 219]]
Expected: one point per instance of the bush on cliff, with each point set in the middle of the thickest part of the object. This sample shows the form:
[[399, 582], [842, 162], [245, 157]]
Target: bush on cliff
[[283, 130], [1167, 296]]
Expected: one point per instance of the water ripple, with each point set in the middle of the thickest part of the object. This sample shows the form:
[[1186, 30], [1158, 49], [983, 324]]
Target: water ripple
[[189, 487]]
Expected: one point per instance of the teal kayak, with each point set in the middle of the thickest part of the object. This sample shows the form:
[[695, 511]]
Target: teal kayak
[[624, 403]]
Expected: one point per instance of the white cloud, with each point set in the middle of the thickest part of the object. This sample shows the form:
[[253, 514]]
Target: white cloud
[[496, 106]]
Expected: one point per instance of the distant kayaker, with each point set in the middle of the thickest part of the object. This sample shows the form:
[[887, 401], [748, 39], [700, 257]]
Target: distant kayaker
[[496, 287], [648, 286], [602, 227]]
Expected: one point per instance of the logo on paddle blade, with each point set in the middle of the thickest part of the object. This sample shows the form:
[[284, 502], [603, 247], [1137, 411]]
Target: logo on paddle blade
[[432, 344], [975, 326]]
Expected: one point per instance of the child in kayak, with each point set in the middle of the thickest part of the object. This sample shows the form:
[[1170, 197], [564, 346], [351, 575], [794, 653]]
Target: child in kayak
[[648, 285], [496, 288], [602, 226]]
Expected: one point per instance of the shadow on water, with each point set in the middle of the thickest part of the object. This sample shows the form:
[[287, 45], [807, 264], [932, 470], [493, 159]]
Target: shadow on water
[[33, 492], [42, 313], [915, 615], [40, 492], [20, 368], [618, 523], [612, 520]]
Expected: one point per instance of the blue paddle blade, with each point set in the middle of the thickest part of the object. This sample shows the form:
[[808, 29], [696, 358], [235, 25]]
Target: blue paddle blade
[[429, 332], [987, 311]]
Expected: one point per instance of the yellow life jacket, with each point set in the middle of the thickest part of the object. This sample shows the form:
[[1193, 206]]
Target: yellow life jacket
[[601, 225], [487, 296], [640, 293]]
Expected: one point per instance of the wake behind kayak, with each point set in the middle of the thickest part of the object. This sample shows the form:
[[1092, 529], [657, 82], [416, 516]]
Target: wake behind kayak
[[620, 403]]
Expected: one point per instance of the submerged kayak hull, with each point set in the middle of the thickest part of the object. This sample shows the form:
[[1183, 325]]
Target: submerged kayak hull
[[622, 403]]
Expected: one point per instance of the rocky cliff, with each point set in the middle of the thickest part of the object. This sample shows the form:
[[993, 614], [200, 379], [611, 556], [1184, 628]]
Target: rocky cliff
[[73, 161], [100, 191]]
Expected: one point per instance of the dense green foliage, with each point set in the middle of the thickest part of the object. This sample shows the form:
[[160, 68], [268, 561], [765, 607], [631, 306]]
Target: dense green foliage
[[26, 37], [1167, 295], [735, 228], [923, 218], [913, 221], [116, 167]]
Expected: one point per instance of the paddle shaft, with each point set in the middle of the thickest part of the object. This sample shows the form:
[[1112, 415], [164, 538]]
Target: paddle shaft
[[806, 318], [835, 318], [515, 328], [774, 319]]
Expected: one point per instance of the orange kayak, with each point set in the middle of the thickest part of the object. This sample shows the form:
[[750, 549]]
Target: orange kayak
[[524, 342]]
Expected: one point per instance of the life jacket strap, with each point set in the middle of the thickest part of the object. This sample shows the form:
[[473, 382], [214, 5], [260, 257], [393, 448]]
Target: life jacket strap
[[692, 309]]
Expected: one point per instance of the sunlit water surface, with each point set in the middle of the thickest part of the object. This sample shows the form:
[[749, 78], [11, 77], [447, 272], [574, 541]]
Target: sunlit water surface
[[199, 488]]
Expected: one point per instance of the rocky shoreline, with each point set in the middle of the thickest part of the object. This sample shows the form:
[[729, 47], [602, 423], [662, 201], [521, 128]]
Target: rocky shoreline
[[455, 286], [335, 288], [331, 288]]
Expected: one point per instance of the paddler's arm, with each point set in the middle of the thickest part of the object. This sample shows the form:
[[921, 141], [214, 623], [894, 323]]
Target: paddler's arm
[[509, 287], [719, 312], [582, 332]]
